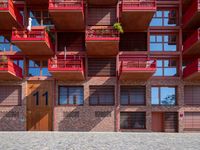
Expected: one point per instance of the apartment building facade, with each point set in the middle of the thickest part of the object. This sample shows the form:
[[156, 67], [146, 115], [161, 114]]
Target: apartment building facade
[[64, 67]]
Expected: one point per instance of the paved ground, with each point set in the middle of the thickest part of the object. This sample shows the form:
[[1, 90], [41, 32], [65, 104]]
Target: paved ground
[[98, 141]]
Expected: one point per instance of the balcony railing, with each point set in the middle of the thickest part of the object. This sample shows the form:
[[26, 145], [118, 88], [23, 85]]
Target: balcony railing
[[101, 33], [12, 68], [65, 65], [66, 4], [191, 68], [7, 5], [194, 38], [138, 65], [33, 35], [138, 4], [192, 9]]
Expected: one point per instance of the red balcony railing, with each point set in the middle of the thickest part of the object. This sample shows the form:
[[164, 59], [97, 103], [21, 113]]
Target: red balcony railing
[[191, 11], [101, 33], [191, 68], [7, 5], [65, 65], [190, 41], [138, 65], [138, 5], [66, 4], [12, 68], [33, 35]]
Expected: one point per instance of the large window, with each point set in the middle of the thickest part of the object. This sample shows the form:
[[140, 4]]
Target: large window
[[102, 95], [132, 95], [165, 18], [38, 68], [132, 120], [163, 42], [192, 95], [163, 96], [166, 67], [40, 18], [70, 95], [5, 45]]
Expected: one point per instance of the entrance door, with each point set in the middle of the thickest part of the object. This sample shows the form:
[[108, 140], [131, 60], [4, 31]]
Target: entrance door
[[39, 105], [157, 122]]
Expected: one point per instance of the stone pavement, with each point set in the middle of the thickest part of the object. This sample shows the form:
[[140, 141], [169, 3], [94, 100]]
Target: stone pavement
[[98, 141]]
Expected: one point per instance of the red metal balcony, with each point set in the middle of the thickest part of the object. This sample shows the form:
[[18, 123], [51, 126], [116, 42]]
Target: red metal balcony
[[138, 12], [9, 16], [192, 71], [102, 2], [67, 69], [137, 69], [191, 18], [34, 42], [67, 14], [10, 71], [192, 44], [102, 41]]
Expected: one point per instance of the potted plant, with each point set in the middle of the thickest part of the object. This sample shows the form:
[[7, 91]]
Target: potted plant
[[3, 61], [117, 26]]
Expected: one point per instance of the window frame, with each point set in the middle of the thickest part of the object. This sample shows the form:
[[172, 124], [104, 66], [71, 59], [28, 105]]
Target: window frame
[[163, 67], [159, 95], [67, 104], [129, 88]]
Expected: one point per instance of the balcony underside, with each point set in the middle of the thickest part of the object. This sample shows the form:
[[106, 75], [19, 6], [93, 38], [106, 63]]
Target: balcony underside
[[193, 21], [102, 2], [136, 20], [193, 76], [136, 75], [6, 75], [34, 47], [68, 20], [37, 2], [102, 48], [193, 50], [68, 75], [8, 21]]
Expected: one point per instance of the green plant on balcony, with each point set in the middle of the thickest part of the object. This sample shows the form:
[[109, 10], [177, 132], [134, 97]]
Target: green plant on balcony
[[117, 26], [51, 35]]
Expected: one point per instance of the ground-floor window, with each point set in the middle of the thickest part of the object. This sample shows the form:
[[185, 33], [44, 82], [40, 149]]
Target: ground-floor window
[[192, 121], [69, 95], [132, 120]]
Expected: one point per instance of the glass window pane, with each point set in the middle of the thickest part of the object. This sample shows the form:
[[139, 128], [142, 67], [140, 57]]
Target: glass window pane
[[156, 22], [170, 72], [168, 95], [154, 96], [45, 72], [34, 71], [155, 46]]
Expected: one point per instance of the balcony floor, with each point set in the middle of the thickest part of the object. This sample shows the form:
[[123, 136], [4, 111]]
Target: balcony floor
[[8, 21], [194, 22], [34, 47], [102, 48], [63, 19], [136, 75], [194, 76], [68, 75], [193, 50], [6, 75], [140, 23]]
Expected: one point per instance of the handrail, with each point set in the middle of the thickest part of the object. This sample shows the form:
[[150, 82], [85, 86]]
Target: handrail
[[191, 40], [65, 65], [11, 67], [69, 4], [191, 68], [138, 4], [136, 64], [107, 32]]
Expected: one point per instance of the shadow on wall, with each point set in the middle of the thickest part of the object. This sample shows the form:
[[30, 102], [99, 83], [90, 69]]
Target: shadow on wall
[[85, 118], [12, 109]]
